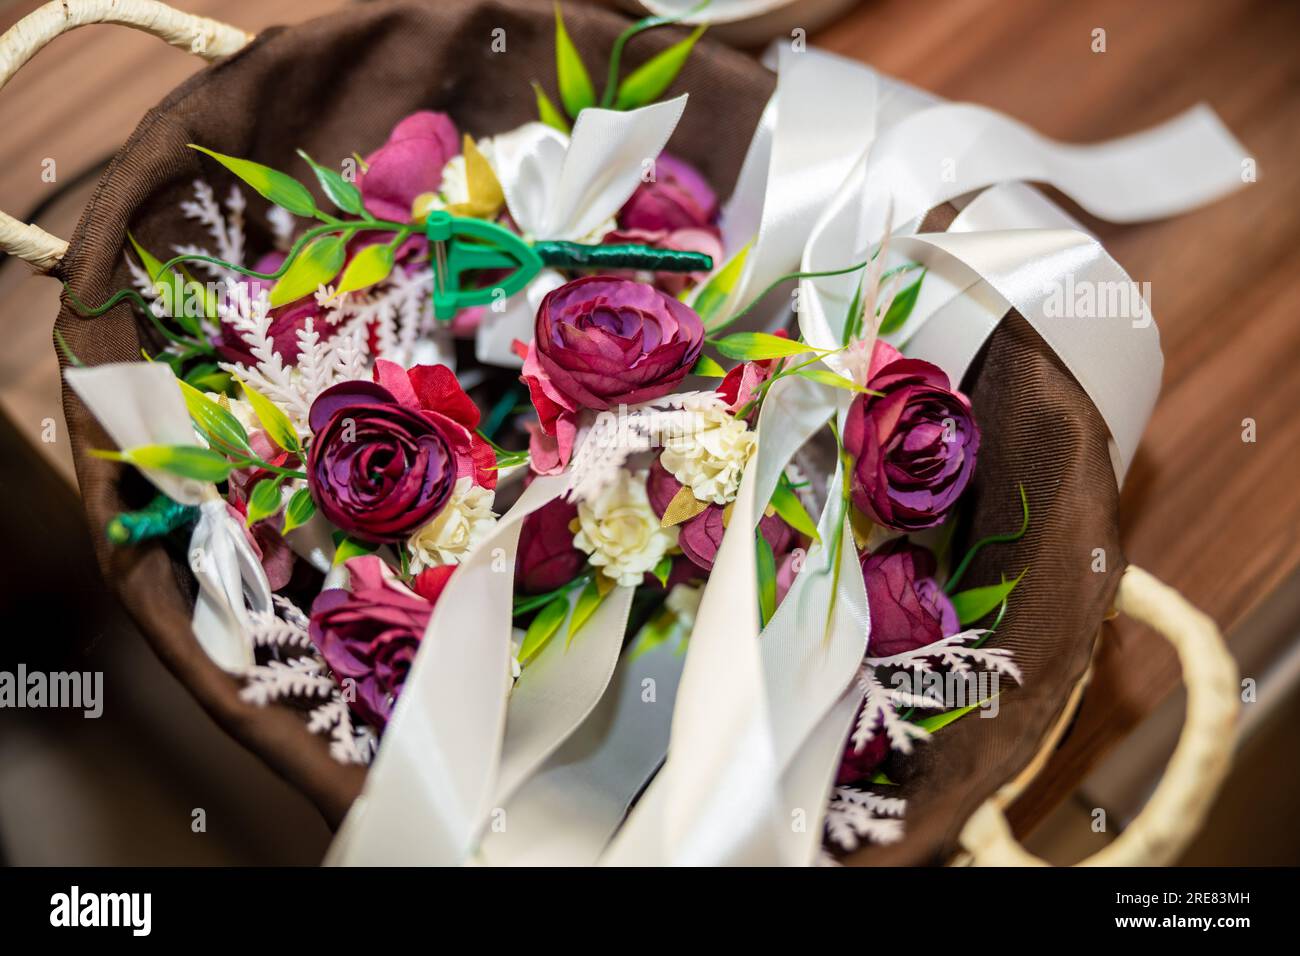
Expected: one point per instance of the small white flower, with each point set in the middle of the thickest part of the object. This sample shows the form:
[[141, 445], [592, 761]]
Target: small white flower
[[684, 601], [621, 532], [463, 522], [710, 455]]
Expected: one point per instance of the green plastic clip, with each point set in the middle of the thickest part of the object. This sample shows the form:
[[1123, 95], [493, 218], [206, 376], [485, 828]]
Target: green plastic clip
[[460, 244]]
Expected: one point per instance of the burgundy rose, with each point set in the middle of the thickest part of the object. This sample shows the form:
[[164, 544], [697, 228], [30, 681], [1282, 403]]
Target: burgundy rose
[[546, 556], [908, 608], [858, 766], [913, 447], [679, 198], [385, 455], [602, 341], [408, 165], [701, 536], [370, 634]]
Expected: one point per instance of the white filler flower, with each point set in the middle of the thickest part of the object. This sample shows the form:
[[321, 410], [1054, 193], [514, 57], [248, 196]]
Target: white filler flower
[[710, 454], [621, 532], [463, 523]]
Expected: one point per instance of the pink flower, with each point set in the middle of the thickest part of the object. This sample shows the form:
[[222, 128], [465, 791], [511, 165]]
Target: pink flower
[[409, 164], [679, 198]]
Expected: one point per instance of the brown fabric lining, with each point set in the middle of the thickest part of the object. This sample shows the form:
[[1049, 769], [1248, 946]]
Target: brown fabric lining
[[339, 83]]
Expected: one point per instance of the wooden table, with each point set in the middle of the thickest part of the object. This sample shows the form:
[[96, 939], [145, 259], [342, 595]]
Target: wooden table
[[1216, 517]]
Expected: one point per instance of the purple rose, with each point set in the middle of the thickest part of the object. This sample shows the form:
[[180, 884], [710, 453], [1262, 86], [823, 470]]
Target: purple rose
[[701, 536], [546, 557], [385, 455], [601, 341], [908, 608], [370, 634], [409, 164], [913, 447], [679, 198]]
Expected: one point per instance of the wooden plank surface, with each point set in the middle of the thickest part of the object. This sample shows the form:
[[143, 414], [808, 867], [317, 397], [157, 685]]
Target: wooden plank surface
[[1215, 516]]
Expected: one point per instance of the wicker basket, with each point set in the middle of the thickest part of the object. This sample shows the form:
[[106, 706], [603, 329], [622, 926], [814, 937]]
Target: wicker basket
[[341, 81]]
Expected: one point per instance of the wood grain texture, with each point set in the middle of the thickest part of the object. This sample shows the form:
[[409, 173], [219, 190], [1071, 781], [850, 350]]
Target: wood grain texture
[[1217, 518]]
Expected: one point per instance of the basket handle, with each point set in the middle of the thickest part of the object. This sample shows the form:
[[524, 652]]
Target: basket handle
[[199, 35], [1177, 807]]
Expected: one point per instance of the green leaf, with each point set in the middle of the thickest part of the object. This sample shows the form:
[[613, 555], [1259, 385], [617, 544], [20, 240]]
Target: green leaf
[[825, 377], [973, 604], [341, 193], [766, 564], [936, 722], [957, 574], [853, 321], [315, 266], [543, 627], [756, 346], [346, 548], [880, 779], [275, 186], [901, 307], [708, 368], [154, 267], [791, 509], [216, 422], [647, 82], [717, 291], [300, 509], [372, 264], [275, 422], [658, 630], [188, 461], [264, 500], [586, 605], [547, 111], [576, 90], [662, 569]]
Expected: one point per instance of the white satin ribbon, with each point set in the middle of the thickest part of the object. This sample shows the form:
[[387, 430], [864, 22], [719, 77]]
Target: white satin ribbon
[[139, 403], [801, 152], [566, 813], [432, 782], [561, 187]]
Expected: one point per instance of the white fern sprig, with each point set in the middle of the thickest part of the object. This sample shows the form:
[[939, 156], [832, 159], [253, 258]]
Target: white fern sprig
[[266, 629], [951, 653], [879, 712], [280, 680], [857, 816], [225, 228], [348, 743], [615, 436]]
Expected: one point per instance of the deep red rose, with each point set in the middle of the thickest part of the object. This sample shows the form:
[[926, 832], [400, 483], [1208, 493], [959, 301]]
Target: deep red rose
[[370, 634], [385, 455], [701, 536], [546, 557]]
